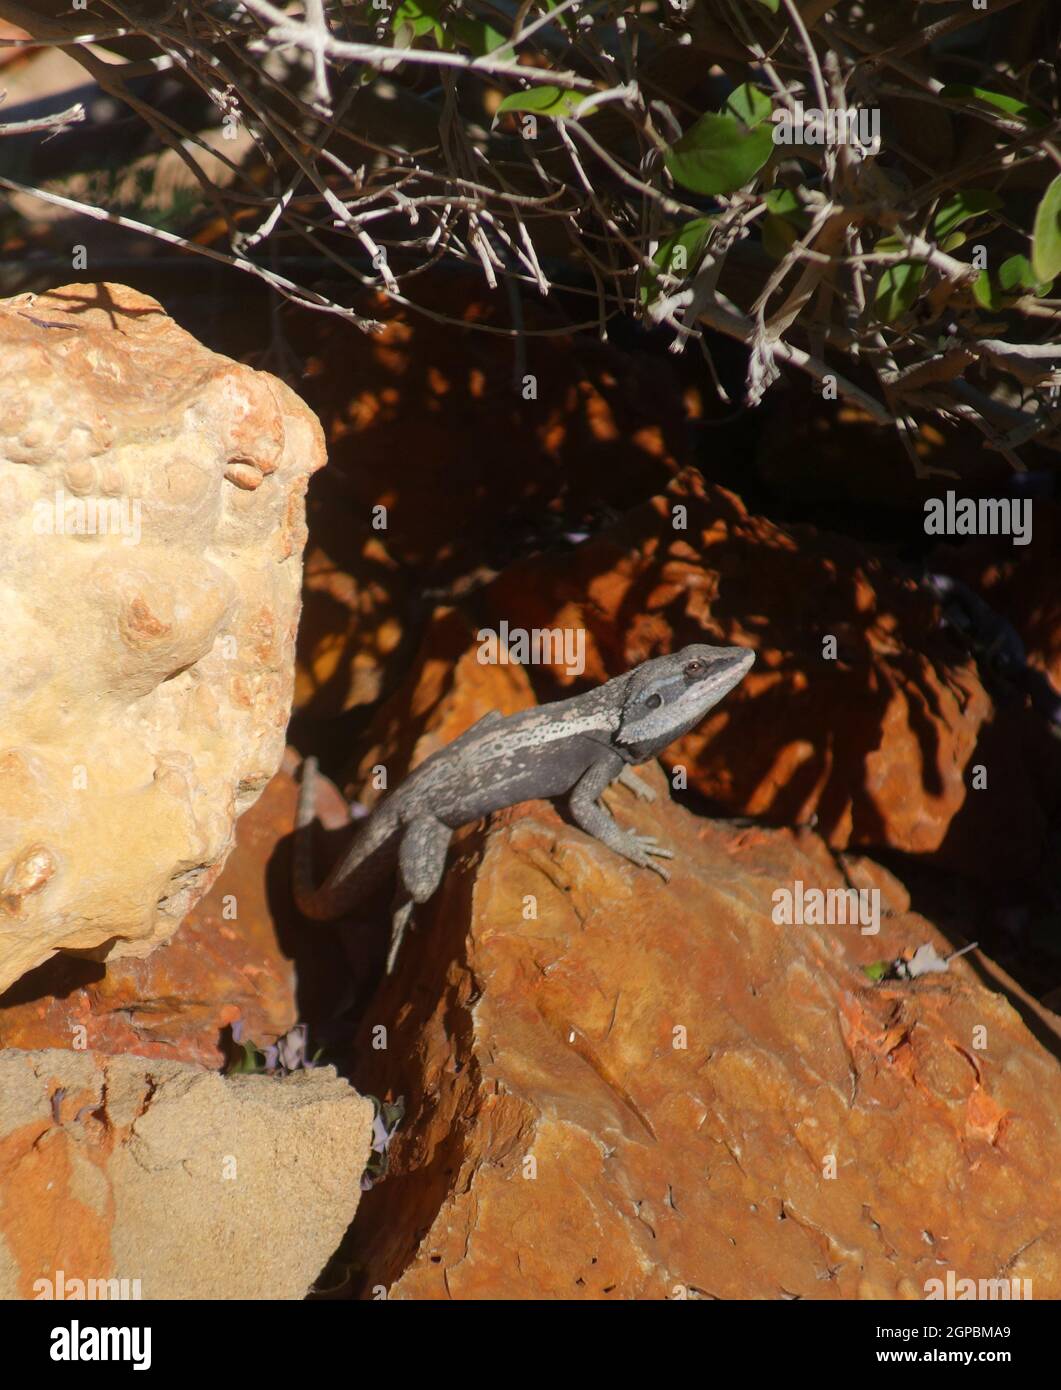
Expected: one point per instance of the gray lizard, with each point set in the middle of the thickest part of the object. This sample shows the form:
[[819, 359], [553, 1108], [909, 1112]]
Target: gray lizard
[[574, 747]]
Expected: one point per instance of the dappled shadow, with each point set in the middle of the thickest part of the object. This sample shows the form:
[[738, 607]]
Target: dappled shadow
[[50, 310], [868, 745], [431, 422], [336, 964]]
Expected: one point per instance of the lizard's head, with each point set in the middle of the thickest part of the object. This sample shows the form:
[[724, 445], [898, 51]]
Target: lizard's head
[[667, 697]]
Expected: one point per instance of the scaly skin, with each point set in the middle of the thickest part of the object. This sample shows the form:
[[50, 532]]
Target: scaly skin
[[574, 747]]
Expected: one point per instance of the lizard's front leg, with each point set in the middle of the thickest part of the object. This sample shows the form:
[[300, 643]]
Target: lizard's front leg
[[421, 864], [592, 817], [632, 782]]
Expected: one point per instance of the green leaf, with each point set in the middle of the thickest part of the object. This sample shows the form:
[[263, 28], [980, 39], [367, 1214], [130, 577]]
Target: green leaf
[[546, 101], [1046, 237], [413, 19], [986, 294], [1009, 106], [249, 1061], [678, 255], [417, 18], [971, 203], [772, 5], [476, 35], [718, 154], [782, 202], [778, 236], [749, 105], [1015, 274], [897, 288], [393, 1112], [784, 222]]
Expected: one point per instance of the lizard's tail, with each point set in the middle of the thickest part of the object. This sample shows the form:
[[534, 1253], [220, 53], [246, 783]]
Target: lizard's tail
[[368, 852]]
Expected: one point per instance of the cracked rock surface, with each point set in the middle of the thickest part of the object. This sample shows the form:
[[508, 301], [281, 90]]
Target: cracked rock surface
[[621, 1089], [199, 1186]]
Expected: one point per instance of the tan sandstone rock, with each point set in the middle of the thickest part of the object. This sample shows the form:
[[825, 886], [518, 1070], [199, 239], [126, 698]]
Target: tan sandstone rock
[[225, 964], [197, 1185], [151, 532]]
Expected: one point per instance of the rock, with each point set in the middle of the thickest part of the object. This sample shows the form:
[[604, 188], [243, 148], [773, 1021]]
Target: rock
[[196, 1185], [875, 747], [151, 534], [1020, 583], [622, 1089], [224, 964], [9, 57], [414, 418]]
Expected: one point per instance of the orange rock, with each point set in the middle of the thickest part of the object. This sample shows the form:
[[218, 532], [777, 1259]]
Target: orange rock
[[9, 57], [622, 1089], [875, 747]]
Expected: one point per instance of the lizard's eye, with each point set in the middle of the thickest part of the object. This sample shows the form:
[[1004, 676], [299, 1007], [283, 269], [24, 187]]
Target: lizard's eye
[[654, 701], [693, 668]]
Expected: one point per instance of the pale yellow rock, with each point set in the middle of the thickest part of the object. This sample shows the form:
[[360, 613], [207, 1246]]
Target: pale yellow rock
[[197, 1185], [151, 535]]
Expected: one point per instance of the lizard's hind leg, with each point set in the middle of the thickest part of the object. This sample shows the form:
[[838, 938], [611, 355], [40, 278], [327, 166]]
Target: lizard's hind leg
[[421, 864]]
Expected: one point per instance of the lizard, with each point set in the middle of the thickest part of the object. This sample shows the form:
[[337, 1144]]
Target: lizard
[[575, 747]]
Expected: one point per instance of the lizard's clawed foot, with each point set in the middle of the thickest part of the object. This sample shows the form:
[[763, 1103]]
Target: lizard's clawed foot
[[642, 848]]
